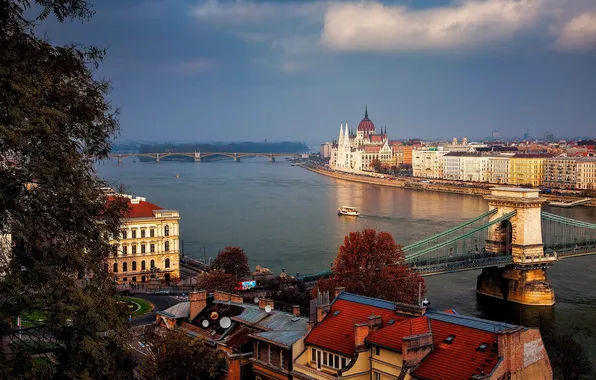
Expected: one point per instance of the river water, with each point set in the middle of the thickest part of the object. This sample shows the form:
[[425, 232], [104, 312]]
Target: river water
[[284, 217]]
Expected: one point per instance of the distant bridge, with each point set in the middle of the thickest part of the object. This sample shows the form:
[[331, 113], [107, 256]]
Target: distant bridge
[[198, 156]]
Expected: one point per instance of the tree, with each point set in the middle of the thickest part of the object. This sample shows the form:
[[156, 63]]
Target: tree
[[570, 358], [373, 265], [376, 164], [173, 355], [55, 123], [232, 260], [216, 280]]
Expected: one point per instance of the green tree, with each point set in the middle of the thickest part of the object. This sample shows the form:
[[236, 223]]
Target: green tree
[[173, 355], [55, 123]]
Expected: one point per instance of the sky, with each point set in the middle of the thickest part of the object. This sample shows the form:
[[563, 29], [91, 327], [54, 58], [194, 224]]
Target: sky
[[241, 70]]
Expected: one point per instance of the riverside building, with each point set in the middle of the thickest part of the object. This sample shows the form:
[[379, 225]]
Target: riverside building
[[148, 245]]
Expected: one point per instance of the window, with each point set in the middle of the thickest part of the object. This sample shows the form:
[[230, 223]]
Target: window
[[151, 247], [142, 233], [124, 267], [134, 234], [142, 248], [115, 267], [167, 263], [134, 266], [313, 352], [377, 376], [133, 248], [166, 246], [124, 250], [152, 232], [124, 234], [143, 265], [152, 264], [166, 231]]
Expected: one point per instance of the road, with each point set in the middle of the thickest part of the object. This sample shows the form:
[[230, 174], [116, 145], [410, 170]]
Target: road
[[159, 303]]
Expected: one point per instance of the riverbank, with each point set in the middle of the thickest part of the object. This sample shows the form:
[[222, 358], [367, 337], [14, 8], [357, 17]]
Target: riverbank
[[420, 184]]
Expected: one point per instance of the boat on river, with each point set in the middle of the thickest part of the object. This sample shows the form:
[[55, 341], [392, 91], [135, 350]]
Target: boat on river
[[347, 211]]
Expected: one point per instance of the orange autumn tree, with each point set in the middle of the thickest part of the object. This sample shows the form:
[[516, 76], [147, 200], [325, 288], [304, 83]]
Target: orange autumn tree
[[372, 264]]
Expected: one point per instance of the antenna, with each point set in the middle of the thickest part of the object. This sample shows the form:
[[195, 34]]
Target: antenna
[[420, 293], [268, 309], [205, 323], [225, 322]]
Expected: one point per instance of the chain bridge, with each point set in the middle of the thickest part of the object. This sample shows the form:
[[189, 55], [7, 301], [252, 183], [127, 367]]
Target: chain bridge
[[513, 243], [198, 156]]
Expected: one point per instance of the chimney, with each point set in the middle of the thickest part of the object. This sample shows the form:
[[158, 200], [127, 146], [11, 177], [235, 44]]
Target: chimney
[[360, 334], [296, 310], [338, 290], [374, 322], [263, 302], [415, 348], [221, 296], [322, 306], [236, 298], [198, 301]]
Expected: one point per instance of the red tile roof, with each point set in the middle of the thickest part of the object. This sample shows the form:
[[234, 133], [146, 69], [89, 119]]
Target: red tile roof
[[460, 359], [336, 332], [372, 148], [143, 209], [376, 138], [391, 336]]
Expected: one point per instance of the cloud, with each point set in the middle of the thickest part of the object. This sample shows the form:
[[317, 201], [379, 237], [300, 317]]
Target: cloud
[[579, 34], [252, 12], [291, 67], [192, 67], [467, 23]]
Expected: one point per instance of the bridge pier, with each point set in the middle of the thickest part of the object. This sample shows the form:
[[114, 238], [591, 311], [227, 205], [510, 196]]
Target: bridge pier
[[525, 281], [157, 158], [271, 158], [119, 159], [236, 158], [197, 156]]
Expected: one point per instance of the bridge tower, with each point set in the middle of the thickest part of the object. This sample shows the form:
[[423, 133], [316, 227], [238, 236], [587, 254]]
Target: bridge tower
[[197, 156], [271, 157], [525, 281], [119, 159], [236, 158], [157, 158]]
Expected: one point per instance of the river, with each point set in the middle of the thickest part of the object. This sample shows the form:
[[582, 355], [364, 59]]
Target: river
[[284, 217]]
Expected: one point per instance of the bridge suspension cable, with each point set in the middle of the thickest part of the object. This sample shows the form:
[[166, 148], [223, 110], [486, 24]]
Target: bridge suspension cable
[[455, 239], [568, 221], [449, 231]]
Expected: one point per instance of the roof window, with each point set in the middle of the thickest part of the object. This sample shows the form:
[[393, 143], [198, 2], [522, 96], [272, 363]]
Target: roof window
[[483, 347], [449, 339], [336, 313], [391, 321], [295, 319]]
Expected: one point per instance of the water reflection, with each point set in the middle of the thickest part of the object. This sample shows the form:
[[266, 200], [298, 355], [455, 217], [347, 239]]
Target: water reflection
[[503, 311]]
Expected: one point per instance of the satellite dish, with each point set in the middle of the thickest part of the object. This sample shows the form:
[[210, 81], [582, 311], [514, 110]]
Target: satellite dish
[[256, 300], [225, 322], [205, 323], [268, 309], [214, 315]]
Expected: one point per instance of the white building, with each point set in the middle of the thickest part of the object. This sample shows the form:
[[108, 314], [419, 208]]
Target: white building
[[355, 152], [326, 149], [428, 163], [466, 166], [498, 168]]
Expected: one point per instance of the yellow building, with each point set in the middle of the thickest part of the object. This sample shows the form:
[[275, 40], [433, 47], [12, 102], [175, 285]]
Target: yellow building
[[148, 245], [527, 169]]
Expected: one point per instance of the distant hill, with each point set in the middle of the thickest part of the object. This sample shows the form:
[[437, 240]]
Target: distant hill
[[244, 147]]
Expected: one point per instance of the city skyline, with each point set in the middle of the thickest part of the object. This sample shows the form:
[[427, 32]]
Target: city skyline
[[256, 70]]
